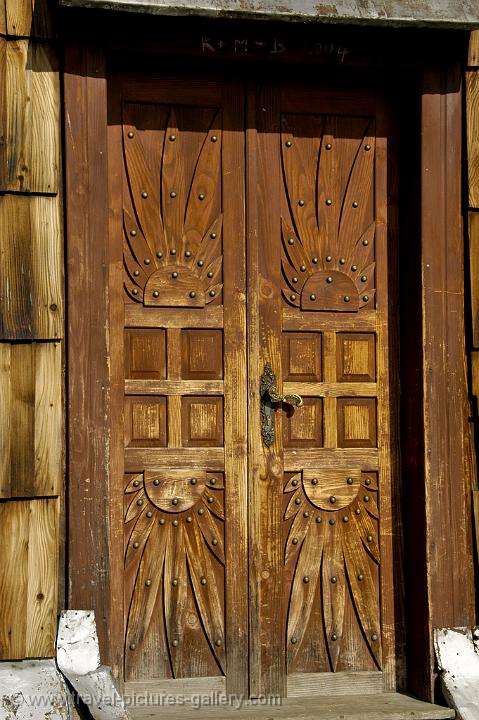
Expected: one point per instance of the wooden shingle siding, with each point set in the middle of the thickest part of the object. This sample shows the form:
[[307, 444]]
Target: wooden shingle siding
[[28, 578]]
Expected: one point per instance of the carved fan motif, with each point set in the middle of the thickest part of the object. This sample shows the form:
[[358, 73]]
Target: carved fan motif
[[332, 545], [328, 232], [172, 227], [174, 541]]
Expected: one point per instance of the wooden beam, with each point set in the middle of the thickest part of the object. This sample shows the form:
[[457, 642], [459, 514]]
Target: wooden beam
[[474, 273], [28, 578], [472, 111], [473, 56], [449, 570]]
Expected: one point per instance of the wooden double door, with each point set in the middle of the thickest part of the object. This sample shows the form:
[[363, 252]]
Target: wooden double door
[[252, 257]]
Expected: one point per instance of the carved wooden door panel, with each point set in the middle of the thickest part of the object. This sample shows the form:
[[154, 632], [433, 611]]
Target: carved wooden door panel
[[257, 534]]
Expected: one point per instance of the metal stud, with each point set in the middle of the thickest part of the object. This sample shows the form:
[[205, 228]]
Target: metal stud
[[159, 254], [133, 645], [294, 482], [214, 541], [218, 642], [136, 544], [214, 138], [334, 579], [312, 296], [306, 579], [366, 498], [147, 261], [303, 268], [328, 258], [347, 298], [365, 298], [134, 291], [172, 138], [175, 501], [201, 196], [211, 499], [355, 204], [332, 499], [358, 511], [301, 203], [192, 294], [147, 583], [345, 519], [369, 538], [203, 581], [329, 279], [213, 481], [174, 582], [162, 521], [354, 268], [294, 541], [175, 523], [156, 481], [288, 143], [332, 521], [367, 147], [136, 273], [188, 253], [174, 275], [314, 481], [318, 519], [213, 236], [298, 501], [133, 233], [334, 637], [315, 260], [139, 502], [155, 293], [365, 242], [131, 134], [149, 514], [290, 241], [175, 643], [294, 640], [350, 480], [294, 279], [200, 263], [144, 195], [367, 481], [360, 577], [189, 519], [173, 251], [342, 261], [329, 202], [364, 278], [209, 274], [328, 146], [306, 514], [292, 296], [374, 637], [212, 293], [172, 194], [136, 483]]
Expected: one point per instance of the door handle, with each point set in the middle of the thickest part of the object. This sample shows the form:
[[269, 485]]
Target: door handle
[[270, 396]]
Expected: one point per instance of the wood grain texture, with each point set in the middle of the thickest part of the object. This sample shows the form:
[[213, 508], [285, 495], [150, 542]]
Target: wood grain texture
[[28, 578], [474, 274], [472, 118], [31, 416], [31, 268], [449, 560], [473, 55], [30, 153], [27, 18]]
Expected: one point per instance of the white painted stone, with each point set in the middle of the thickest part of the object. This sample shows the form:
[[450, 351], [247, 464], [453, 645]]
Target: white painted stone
[[78, 658], [457, 652], [33, 690]]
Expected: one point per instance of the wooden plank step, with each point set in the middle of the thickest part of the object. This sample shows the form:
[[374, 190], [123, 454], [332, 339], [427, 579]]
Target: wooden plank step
[[386, 706]]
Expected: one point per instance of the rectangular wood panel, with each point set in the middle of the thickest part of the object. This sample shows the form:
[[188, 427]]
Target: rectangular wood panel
[[473, 58], [28, 578], [474, 274], [31, 268], [472, 113], [30, 117], [31, 416]]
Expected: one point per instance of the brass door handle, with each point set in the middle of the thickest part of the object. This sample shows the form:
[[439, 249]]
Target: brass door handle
[[269, 396]]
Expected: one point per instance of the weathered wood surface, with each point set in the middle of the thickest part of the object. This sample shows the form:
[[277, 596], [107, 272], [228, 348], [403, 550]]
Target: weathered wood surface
[[473, 55], [27, 18], [28, 578], [30, 117], [474, 270], [31, 268], [449, 559], [472, 112], [31, 420]]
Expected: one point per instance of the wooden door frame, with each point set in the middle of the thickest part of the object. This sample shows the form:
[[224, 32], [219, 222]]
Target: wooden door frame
[[437, 553]]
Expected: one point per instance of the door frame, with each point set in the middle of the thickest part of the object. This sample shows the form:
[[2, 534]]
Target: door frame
[[438, 591]]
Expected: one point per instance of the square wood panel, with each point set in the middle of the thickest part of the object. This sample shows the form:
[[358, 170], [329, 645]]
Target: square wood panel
[[356, 422], [145, 354], [202, 421], [202, 354], [303, 427], [145, 422], [302, 356], [356, 357]]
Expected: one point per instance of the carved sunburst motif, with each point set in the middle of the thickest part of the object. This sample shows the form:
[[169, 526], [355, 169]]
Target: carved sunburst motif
[[173, 541], [328, 238], [332, 547], [172, 248]]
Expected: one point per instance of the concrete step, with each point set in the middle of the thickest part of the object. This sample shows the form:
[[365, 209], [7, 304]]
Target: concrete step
[[386, 706]]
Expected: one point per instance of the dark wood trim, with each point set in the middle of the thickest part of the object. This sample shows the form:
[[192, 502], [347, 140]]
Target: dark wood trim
[[88, 385]]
